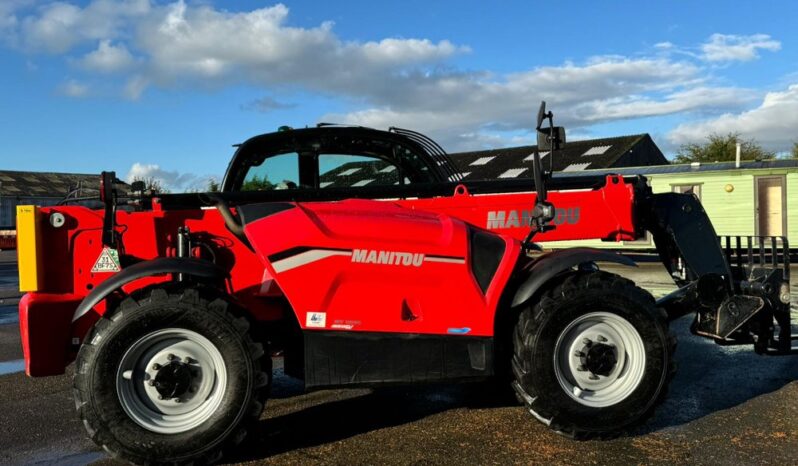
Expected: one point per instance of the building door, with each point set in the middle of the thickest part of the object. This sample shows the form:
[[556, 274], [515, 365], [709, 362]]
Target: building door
[[770, 206]]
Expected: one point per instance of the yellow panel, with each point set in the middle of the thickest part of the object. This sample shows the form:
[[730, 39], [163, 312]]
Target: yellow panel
[[27, 247]]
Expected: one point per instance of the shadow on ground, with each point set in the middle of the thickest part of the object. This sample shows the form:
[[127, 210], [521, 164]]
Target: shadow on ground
[[296, 420], [710, 378]]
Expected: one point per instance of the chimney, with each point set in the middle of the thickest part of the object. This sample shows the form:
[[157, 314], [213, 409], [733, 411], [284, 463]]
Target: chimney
[[737, 158]]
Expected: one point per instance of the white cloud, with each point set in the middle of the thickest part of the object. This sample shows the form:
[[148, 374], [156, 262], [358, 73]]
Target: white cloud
[[395, 81], [698, 99], [134, 87], [54, 30], [173, 180], [774, 123], [409, 51], [267, 104], [197, 44], [730, 47], [108, 58], [57, 27], [73, 88], [9, 21], [455, 108], [218, 47]]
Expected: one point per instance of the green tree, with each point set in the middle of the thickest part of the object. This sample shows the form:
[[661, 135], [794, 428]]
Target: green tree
[[257, 183], [721, 148], [794, 152], [213, 185], [154, 185]]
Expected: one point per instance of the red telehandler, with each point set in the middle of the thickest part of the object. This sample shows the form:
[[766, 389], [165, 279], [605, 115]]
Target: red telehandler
[[171, 305]]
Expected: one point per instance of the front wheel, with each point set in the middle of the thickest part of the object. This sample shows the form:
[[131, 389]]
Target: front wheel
[[170, 377], [593, 356]]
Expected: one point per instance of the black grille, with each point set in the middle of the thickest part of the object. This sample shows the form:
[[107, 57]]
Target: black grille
[[487, 251]]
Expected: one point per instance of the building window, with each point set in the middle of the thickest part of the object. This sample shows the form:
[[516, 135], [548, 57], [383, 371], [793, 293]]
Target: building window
[[694, 189]]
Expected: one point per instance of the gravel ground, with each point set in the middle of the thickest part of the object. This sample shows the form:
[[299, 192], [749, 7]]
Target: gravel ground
[[726, 406]]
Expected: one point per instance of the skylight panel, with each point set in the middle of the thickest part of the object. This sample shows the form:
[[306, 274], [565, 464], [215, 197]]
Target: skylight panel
[[598, 150], [531, 156], [482, 160], [349, 172], [512, 173], [363, 182], [575, 167]]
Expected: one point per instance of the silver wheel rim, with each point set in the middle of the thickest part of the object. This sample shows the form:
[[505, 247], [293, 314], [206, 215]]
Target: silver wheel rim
[[140, 389], [601, 333]]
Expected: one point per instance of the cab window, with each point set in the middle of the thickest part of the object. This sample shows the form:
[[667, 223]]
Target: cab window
[[352, 171], [276, 172]]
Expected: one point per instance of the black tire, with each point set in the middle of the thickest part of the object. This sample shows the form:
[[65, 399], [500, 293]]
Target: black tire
[[246, 364], [535, 338]]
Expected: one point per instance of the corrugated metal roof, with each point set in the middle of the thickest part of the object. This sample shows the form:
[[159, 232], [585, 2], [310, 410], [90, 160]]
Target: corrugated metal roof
[[513, 162], [691, 168], [44, 184], [598, 153]]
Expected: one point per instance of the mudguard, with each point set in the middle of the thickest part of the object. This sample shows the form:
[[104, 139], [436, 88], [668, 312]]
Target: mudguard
[[549, 265], [189, 266]]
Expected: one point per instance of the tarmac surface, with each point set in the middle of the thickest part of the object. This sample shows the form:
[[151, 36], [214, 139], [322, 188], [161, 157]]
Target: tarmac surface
[[726, 406]]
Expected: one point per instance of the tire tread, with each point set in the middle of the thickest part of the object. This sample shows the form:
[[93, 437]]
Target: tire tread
[[212, 302], [529, 325]]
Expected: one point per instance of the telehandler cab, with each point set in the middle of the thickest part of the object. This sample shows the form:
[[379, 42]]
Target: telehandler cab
[[171, 305]]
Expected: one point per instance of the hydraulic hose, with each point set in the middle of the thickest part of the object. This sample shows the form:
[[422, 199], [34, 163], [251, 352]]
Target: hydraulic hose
[[230, 221]]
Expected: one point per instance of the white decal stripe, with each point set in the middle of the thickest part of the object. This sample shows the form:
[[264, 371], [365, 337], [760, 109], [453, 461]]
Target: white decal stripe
[[305, 258], [446, 260]]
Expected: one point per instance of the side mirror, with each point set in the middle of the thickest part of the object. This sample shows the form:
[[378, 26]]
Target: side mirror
[[545, 140], [541, 115], [550, 138]]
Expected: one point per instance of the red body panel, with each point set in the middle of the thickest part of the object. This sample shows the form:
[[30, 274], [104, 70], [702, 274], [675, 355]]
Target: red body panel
[[605, 213], [345, 290], [44, 323], [374, 266]]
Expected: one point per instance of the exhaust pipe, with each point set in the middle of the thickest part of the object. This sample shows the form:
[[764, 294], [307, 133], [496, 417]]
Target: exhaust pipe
[[737, 157]]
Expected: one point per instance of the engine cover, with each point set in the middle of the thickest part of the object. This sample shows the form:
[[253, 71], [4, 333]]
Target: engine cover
[[371, 266]]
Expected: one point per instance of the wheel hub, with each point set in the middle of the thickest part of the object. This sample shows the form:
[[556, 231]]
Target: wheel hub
[[173, 380], [600, 359]]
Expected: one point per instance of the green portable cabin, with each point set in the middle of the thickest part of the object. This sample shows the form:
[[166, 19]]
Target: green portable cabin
[[754, 198]]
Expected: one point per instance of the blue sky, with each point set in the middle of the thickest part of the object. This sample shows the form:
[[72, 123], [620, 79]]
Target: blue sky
[[164, 88]]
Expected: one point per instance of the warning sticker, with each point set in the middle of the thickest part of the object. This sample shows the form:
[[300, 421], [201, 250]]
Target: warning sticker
[[107, 262], [316, 319]]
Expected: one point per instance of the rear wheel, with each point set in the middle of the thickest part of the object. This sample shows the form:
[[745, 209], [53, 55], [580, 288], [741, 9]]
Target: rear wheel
[[171, 377], [593, 356]]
